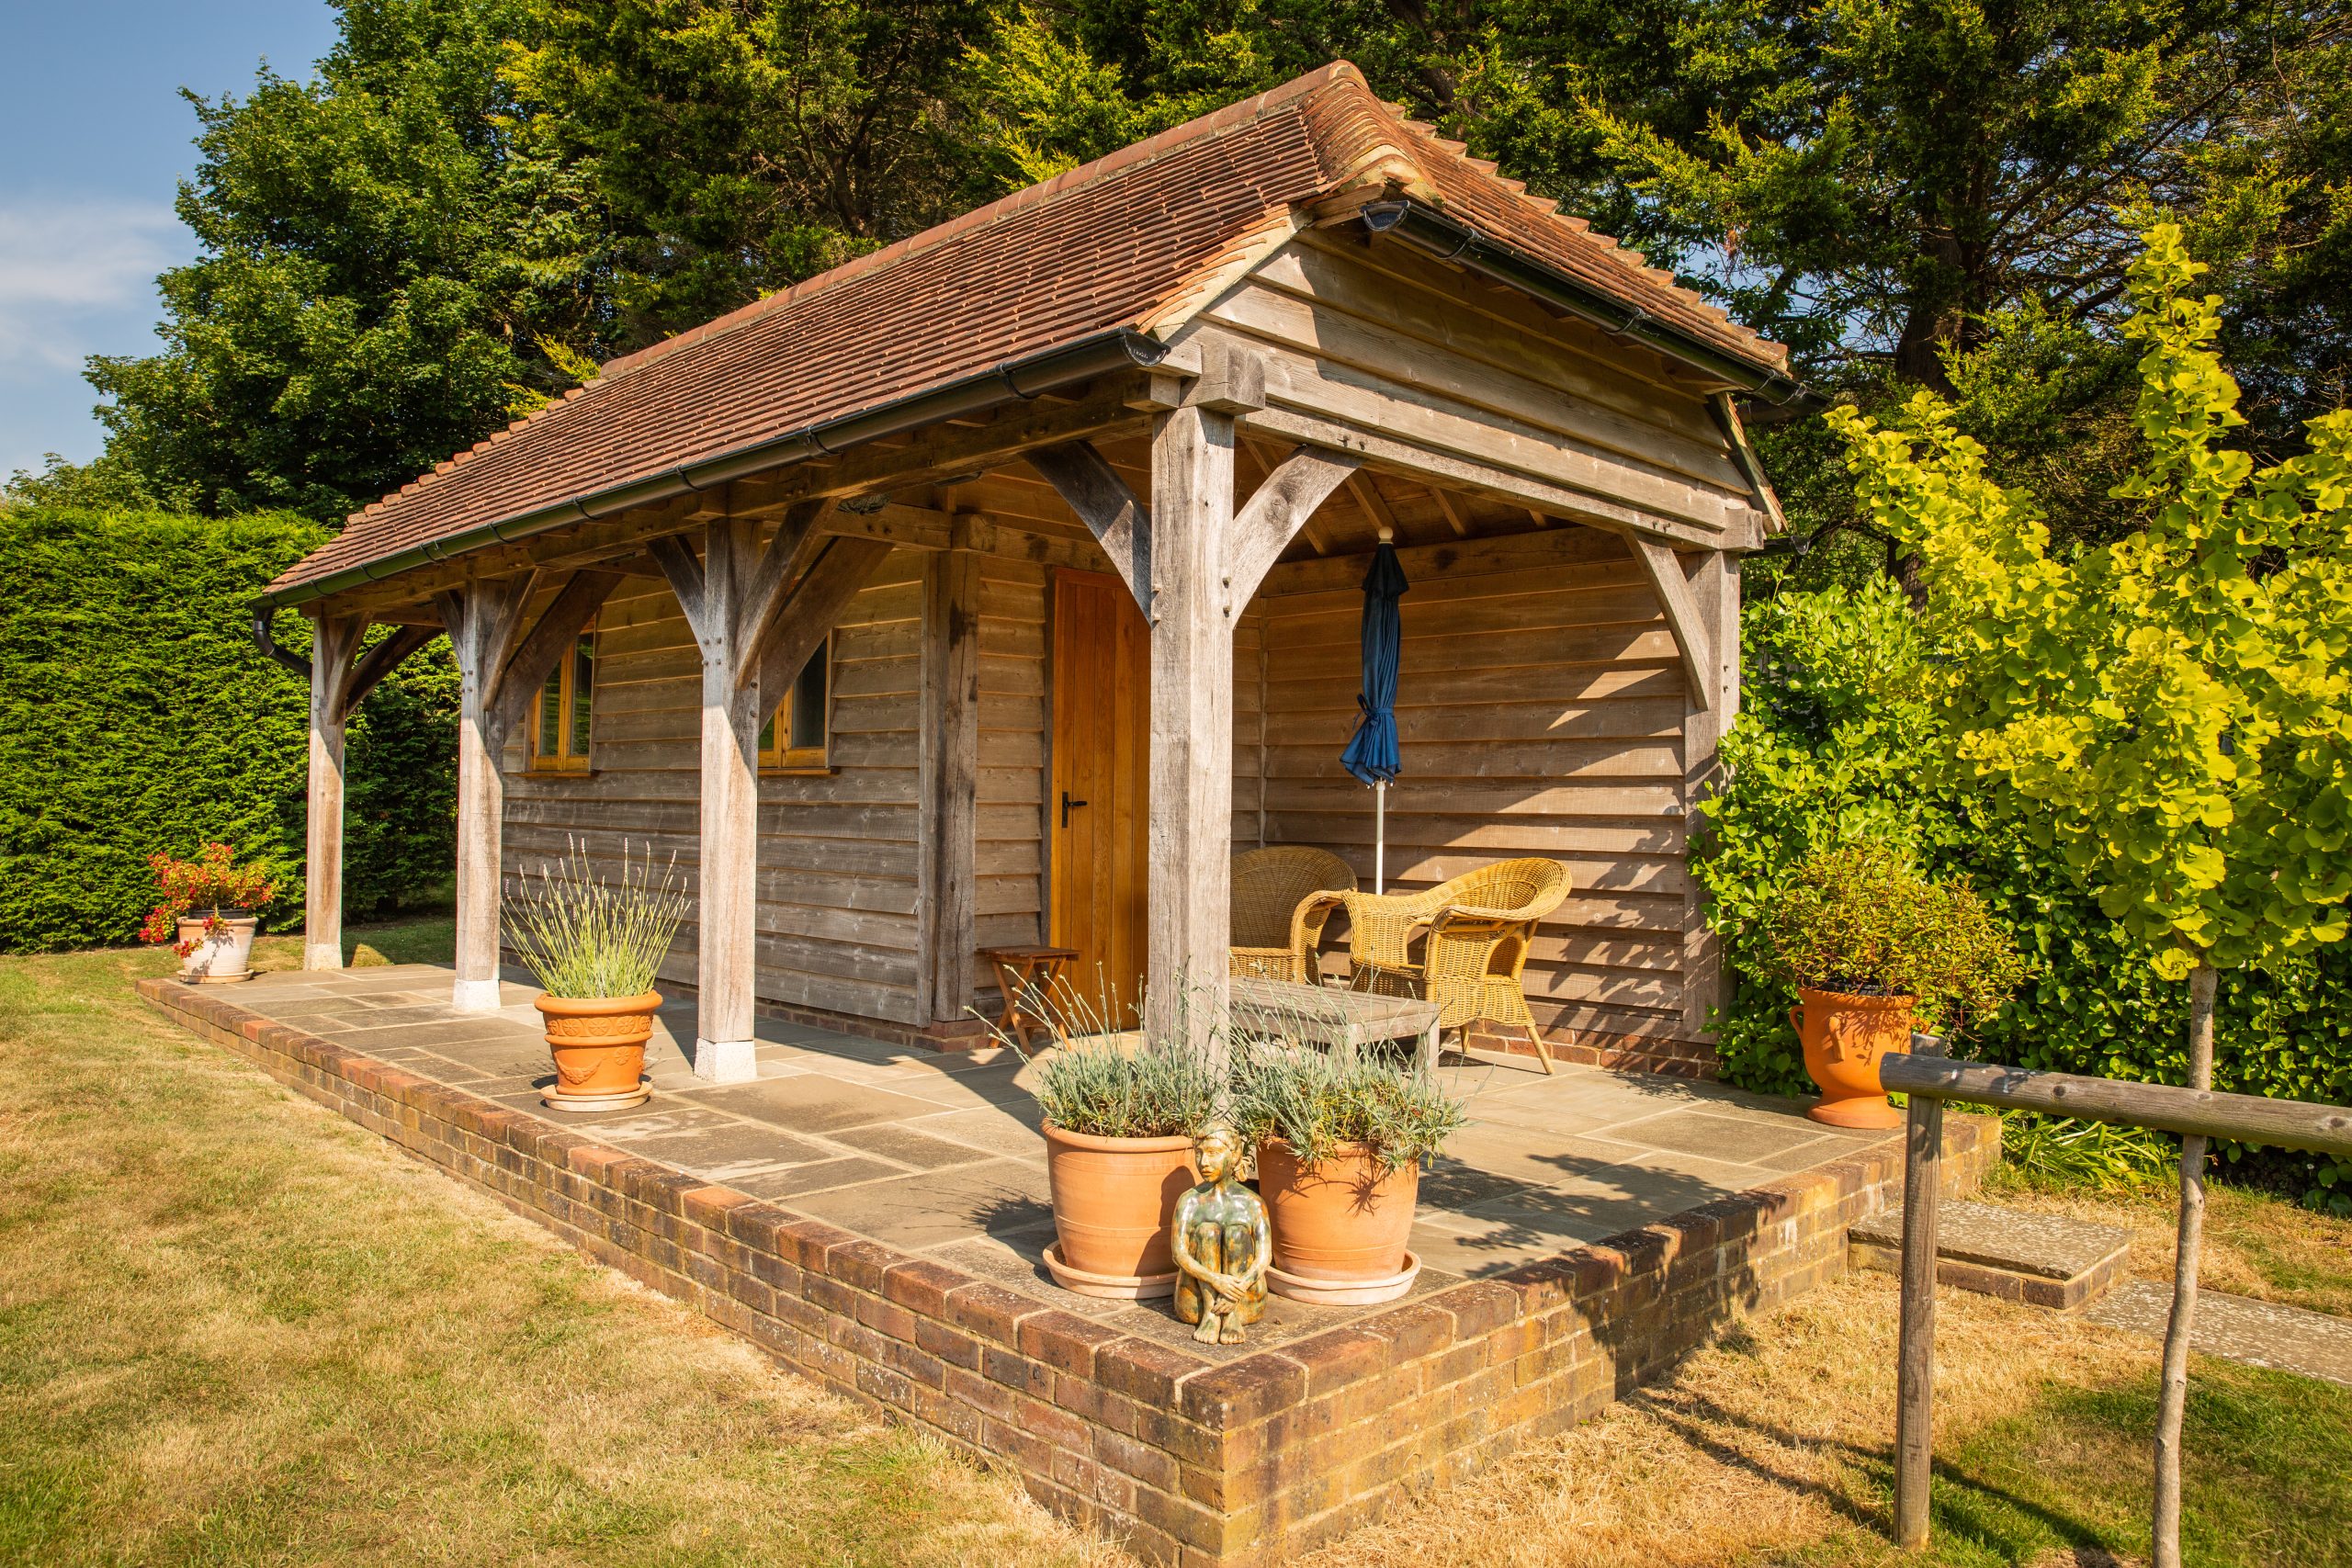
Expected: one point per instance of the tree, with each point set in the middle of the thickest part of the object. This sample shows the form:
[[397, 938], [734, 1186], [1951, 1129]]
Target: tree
[[2173, 709], [384, 255]]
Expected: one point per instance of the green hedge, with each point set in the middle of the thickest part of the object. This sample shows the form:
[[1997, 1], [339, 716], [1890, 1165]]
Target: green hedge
[[136, 716], [1832, 743]]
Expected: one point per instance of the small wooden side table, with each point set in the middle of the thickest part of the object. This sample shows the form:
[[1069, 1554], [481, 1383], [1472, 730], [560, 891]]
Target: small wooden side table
[[1022, 972]]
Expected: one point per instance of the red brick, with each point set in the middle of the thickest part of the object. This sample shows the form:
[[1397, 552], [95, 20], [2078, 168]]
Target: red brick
[[1241, 1392], [1063, 1341], [1144, 1370], [990, 1311], [921, 1286]]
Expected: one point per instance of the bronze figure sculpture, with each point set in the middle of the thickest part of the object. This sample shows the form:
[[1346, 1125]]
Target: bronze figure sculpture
[[1223, 1244]]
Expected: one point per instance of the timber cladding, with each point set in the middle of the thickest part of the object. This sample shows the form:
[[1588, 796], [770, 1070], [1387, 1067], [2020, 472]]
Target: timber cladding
[[1188, 1459], [1541, 712], [839, 862]]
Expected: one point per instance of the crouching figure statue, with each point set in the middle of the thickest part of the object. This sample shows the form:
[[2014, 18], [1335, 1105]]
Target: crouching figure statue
[[1223, 1244]]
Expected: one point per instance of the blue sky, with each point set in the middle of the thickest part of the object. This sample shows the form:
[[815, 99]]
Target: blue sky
[[94, 139]]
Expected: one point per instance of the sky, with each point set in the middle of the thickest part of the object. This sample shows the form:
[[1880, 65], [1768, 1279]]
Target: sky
[[94, 141]]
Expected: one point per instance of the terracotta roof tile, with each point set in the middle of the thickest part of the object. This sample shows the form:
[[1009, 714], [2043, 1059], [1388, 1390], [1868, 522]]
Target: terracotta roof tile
[[1118, 243]]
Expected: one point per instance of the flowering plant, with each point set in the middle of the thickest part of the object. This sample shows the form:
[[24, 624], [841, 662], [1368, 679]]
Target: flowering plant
[[211, 881]]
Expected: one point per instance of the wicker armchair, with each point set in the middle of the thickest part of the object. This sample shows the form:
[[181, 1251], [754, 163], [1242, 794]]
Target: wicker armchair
[[1280, 906], [1475, 933]]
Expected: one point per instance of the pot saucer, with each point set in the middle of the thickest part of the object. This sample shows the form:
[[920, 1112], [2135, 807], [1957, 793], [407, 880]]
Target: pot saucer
[[1113, 1287], [1344, 1292], [556, 1099]]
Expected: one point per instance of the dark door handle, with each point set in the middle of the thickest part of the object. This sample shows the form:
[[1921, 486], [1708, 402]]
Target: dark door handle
[[1067, 803]]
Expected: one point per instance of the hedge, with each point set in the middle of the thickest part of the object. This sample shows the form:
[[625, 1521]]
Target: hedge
[[1832, 744], [136, 716]]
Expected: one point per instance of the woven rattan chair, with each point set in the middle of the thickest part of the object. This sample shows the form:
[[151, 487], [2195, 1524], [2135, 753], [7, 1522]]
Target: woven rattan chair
[[1280, 906], [1474, 933]]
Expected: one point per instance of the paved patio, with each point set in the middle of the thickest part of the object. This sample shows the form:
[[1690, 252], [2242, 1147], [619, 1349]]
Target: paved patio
[[939, 1154]]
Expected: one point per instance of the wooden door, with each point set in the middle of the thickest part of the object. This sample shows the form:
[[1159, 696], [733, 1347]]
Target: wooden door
[[1099, 814]]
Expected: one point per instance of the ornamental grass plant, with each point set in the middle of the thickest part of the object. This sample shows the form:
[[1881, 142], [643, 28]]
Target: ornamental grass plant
[[1107, 1083], [1861, 921], [1318, 1102], [585, 936]]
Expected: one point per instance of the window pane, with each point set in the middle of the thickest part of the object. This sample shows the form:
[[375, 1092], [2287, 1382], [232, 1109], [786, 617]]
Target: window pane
[[547, 735], [808, 704], [583, 689]]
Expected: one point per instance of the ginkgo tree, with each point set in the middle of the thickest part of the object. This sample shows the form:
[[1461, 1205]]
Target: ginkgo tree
[[2172, 709]]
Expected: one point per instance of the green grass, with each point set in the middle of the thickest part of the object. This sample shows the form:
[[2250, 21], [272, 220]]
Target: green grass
[[236, 1329]]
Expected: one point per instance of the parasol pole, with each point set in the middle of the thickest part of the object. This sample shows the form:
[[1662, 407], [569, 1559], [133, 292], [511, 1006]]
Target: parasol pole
[[1380, 836]]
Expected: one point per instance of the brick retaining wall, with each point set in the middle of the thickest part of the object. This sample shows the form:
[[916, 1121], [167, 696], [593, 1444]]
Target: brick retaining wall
[[1188, 1459]]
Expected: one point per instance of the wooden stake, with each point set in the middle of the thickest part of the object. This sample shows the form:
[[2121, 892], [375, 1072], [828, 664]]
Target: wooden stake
[[2172, 1400], [1916, 1367]]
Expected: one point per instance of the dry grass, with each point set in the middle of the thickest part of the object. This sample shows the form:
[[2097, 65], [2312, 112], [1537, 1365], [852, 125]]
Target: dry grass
[[2255, 1245], [234, 1328]]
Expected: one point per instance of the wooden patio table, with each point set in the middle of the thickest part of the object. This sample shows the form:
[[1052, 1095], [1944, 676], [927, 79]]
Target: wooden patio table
[[1327, 1016]]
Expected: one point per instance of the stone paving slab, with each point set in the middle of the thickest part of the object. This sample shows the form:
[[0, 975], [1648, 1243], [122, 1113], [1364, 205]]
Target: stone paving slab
[[2043, 1259], [2233, 1329]]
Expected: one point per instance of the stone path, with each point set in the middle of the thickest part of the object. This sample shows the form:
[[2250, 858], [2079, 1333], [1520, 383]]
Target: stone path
[[2232, 1328]]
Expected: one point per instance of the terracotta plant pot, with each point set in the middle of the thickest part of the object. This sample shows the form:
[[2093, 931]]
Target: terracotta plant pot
[[1844, 1037], [225, 955], [1343, 1220], [1113, 1200], [599, 1048]]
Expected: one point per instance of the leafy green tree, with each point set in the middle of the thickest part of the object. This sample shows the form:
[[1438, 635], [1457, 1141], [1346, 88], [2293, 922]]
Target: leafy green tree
[[2174, 709], [383, 252]]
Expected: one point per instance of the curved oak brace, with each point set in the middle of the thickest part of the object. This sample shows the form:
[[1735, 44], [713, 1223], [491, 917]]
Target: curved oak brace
[[840, 569], [1698, 648], [1093, 489], [1276, 512], [538, 652]]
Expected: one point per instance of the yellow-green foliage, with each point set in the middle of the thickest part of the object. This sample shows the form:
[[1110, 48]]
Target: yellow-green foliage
[[2173, 710], [135, 716]]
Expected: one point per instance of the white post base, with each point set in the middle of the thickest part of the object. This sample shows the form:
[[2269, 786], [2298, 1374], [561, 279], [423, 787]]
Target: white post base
[[725, 1061], [322, 956], [474, 995]]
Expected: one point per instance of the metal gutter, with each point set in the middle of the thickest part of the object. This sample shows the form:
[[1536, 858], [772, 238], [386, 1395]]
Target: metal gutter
[[1122, 348], [1448, 240]]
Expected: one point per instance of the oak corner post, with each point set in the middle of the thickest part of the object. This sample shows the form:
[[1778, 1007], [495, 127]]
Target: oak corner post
[[333, 640], [1191, 616]]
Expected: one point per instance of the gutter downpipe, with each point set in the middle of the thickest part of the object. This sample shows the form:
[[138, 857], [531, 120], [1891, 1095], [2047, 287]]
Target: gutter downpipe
[[1120, 349], [1448, 239]]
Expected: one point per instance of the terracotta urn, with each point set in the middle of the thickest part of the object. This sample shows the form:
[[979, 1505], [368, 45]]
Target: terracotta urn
[[598, 1043], [1340, 1224], [1114, 1200], [1844, 1036], [225, 955]]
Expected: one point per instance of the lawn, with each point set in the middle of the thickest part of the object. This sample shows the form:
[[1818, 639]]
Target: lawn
[[236, 1329]]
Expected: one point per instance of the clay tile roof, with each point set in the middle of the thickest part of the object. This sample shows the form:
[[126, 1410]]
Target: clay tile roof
[[1126, 242]]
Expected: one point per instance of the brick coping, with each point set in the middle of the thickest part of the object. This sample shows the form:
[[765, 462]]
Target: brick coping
[[1188, 1461]]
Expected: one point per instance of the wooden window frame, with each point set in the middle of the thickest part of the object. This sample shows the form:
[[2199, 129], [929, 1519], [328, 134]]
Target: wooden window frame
[[779, 758], [566, 761]]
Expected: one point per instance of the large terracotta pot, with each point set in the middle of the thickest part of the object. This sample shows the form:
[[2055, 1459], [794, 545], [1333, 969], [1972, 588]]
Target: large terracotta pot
[[1342, 1220], [1113, 1200], [1844, 1037], [225, 955], [598, 1043]]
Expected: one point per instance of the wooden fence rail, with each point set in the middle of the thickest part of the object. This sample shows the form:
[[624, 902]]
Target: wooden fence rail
[[1930, 1080]]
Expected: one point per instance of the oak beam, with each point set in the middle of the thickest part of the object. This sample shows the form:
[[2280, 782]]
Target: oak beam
[[824, 592], [481, 619], [1120, 523], [381, 661]]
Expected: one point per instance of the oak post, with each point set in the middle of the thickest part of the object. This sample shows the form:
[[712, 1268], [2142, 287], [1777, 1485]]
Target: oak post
[[714, 595], [333, 640], [1192, 613], [480, 618], [1923, 1150], [949, 730]]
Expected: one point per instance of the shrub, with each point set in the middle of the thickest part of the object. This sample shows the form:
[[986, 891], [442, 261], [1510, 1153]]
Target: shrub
[[1826, 751], [1860, 919], [135, 715]]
